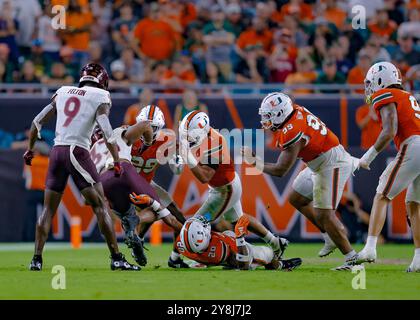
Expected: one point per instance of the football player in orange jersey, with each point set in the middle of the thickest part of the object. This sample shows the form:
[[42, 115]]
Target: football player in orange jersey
[[228, 249], [145, 159], [399, 113], [317, 190], [206, 153]]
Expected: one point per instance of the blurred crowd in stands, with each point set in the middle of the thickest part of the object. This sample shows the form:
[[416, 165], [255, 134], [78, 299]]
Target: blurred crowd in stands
[[177, 43]]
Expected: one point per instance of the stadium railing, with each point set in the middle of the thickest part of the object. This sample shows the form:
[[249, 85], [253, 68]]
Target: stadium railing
[[25, 88], [208, 90]]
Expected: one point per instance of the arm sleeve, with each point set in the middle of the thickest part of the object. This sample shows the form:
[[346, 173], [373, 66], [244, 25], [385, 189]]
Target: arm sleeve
[[106, 128]]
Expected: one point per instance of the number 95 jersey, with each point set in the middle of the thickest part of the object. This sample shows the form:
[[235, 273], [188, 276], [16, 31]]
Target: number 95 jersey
[[76, 114], [303, 124]]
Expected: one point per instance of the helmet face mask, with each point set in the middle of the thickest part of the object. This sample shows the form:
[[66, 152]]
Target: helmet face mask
[[153, 114], [266, 120]]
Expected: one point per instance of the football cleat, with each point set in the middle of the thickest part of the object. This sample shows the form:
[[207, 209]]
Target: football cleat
[[36, 263], [177, 264], [414, 266], [134, 242], [290, 264], [346, 266], [283, 243], [120, 263], [366, 255], [328, 248]]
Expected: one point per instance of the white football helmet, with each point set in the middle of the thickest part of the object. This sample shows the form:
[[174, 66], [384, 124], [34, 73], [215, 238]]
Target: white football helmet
[[153, 114], [196, 234], [194, 128], [381, 75], [274, 110]]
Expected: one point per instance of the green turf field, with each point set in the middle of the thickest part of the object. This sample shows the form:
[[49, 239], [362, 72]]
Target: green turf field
[[88, 277]]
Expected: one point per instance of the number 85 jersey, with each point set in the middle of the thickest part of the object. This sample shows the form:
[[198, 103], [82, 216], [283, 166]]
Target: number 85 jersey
[[302, 124], [76, 114]]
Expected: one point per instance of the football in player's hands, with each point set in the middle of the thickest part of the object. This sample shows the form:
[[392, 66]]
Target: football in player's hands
[[28, 156]]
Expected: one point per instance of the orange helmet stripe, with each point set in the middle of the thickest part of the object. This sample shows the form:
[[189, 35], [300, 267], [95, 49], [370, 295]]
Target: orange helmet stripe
[[187, 244], [192, 115], [152, 112]]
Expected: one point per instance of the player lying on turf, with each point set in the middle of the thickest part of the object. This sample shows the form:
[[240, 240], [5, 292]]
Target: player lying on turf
[[145, 159], [317, 190], [78, 110], [399, 113], [206, 153], [121, 192], [229, 249]]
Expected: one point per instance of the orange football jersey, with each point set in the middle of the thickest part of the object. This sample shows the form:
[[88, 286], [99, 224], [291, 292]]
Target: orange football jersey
[[303, 124], [221, 247], [408, 111], [145, 159], [214, 152]]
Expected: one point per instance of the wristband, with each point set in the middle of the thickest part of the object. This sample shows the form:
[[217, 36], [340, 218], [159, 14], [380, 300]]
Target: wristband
[[240, 242], [242, 258], [370, 155], [155, 205]]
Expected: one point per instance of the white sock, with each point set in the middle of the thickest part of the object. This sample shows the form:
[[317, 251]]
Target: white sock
[[175, 255], [327, 238], [270, 239], [371, 242], [350, 254], [417, 253]]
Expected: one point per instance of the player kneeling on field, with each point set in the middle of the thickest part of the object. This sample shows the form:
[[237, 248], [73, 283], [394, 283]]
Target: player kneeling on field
[[229, 249]]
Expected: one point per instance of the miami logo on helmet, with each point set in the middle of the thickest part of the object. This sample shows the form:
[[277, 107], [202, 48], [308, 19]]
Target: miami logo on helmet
[[273, 102], [200, 125]]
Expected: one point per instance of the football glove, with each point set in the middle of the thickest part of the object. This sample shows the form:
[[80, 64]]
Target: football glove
[[241, 227], [28, 156], [141, 200]]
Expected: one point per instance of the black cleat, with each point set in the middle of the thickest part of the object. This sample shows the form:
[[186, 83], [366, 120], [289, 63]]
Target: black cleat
[[36, 263], [134, 242], [290, 264], [177, 264], [120, 263]]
